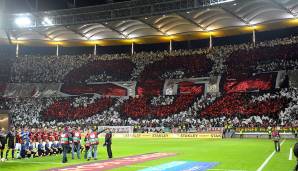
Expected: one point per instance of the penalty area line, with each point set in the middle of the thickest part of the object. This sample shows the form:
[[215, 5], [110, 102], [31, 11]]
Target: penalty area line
[[268, 158]]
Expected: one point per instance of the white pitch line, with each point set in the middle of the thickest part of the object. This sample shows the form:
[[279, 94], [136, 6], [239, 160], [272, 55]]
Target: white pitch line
[[226, 170], [291, 154], [268, 158]]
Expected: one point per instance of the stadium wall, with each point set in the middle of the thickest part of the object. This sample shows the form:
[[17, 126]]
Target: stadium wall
[[207, 135]]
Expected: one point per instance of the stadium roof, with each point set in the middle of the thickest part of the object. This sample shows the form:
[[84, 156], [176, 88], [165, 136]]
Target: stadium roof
[[223, 19]]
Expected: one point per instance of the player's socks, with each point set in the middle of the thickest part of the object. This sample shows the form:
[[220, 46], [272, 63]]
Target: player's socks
[[1, 154], [12, 154], [6, 156]]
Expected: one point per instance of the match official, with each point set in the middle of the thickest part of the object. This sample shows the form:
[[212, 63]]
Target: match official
[[108, 142], [276, 140], [11, 141]]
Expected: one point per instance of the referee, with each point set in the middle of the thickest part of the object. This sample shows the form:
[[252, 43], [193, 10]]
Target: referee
[[276, 140], [108, 142], [11, 140]]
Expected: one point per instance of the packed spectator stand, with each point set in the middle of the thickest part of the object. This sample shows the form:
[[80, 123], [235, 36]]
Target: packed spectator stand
[[247, 96]]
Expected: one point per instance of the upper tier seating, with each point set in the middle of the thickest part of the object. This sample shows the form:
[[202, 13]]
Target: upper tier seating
[[101, 71], [177, 67], [243, 63], [107, 89]]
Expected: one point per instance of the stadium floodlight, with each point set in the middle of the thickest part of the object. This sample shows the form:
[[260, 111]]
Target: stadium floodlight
[[23, 21], [47, 21]]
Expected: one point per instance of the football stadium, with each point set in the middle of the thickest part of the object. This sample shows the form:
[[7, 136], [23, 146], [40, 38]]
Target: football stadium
[[148, 85]]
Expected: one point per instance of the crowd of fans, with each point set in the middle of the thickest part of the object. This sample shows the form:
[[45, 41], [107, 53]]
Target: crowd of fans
[[142, 108], [162, 100], [151, 109], [233, 104], [234, 59], [102, 71], [200, 113], [90, 68], [263, 81], [65, 109], [106, 89]]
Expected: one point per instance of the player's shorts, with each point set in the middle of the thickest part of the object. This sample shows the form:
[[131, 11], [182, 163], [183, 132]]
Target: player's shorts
[[18, 146], [11, 146]]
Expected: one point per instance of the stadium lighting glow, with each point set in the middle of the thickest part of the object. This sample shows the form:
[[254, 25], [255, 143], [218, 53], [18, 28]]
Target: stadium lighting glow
[[94, 42], [252, 23], [47, 22], [130, 36], [23, 21], [17, 42], [55, 43], [93, 38], [168, 38], [221, 2], [208, 29], [293, 21]]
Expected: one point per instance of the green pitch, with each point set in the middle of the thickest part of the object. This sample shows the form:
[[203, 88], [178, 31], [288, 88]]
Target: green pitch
[[232, 154]]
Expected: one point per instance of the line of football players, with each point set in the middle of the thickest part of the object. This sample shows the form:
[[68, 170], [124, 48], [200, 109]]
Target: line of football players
[[25, 143]]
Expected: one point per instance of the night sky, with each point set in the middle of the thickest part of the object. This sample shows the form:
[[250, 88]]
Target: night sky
[[18, 6]]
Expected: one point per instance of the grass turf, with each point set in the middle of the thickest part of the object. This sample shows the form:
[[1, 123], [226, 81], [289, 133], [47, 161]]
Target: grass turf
[[232, 154]]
